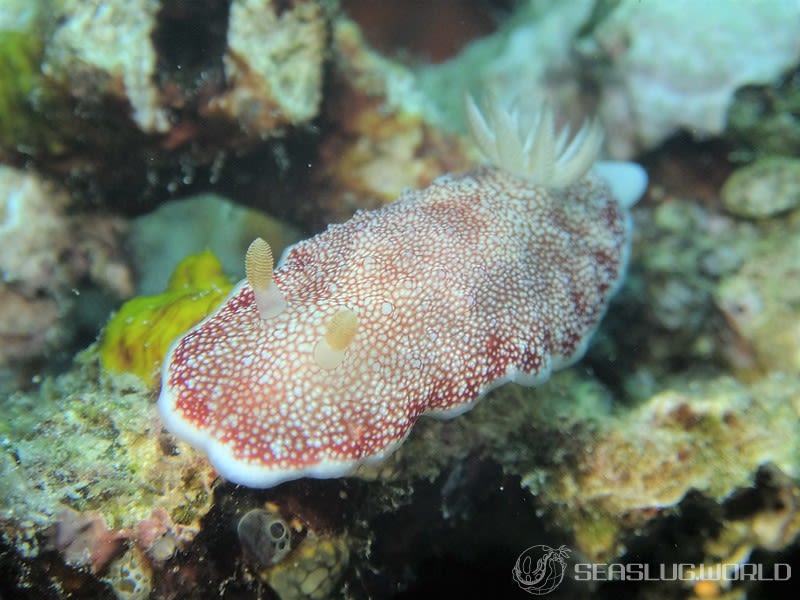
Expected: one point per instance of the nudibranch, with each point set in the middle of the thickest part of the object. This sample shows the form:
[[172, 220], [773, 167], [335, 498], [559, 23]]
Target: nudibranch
[[420, 307]]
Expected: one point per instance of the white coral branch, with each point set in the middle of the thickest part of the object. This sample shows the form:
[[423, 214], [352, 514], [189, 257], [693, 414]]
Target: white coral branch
[[533, 150]]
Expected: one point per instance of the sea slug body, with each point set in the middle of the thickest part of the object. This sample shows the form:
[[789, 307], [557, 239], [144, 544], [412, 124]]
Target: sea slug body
[[420, 307]]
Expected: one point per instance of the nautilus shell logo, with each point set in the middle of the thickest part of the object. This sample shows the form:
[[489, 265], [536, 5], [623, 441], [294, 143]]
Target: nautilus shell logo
[[540, 569]]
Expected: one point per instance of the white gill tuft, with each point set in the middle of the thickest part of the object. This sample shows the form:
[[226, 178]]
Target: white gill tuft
[[529, 146]]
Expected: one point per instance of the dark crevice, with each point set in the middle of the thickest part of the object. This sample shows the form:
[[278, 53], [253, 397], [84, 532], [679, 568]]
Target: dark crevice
[[190, 38]]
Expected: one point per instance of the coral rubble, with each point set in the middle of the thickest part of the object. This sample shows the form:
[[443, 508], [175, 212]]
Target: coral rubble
[[764, 188], [727, 46], [273, 64], [145, 94], [80, 45], [45, 254], [759, 300], [34, 233]]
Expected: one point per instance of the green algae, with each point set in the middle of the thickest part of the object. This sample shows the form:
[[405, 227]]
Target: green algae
[[19, 76], [32, 116]]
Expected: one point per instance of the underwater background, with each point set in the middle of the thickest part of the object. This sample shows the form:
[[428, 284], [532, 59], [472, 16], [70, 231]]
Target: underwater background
[[145, 143]]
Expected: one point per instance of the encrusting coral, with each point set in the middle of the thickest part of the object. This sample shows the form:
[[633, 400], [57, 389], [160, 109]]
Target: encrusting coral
[[35, 234], [363, 328], [765, 188]]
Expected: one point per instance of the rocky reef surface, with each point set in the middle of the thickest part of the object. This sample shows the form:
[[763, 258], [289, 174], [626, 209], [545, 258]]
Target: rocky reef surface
[[675, 440]]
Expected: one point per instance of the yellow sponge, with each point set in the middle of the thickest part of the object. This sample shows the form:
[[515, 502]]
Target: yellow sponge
[[138, 336]]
